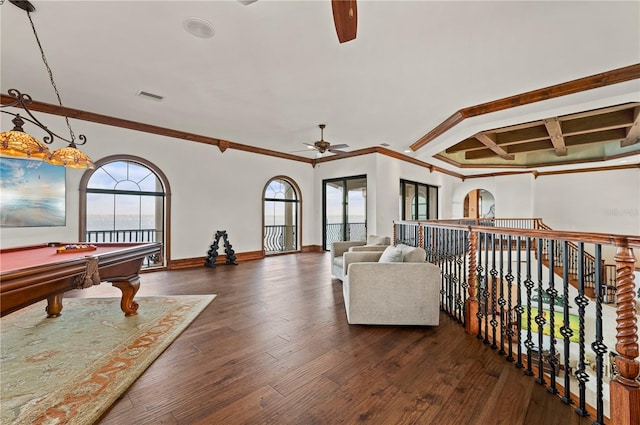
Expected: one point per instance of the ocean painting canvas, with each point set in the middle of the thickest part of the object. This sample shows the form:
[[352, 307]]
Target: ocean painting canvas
[[32, 193]]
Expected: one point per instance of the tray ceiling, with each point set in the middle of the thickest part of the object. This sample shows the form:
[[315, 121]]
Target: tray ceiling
[[595, 135]]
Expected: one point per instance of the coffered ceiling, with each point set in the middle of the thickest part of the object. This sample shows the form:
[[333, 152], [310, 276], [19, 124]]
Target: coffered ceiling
[[597, 135]]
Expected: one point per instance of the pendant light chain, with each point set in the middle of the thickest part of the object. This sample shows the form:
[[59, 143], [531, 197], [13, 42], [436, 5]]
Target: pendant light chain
[[46, 64]]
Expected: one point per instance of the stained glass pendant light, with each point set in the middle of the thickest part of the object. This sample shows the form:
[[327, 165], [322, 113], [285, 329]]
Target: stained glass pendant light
[[20, 144]]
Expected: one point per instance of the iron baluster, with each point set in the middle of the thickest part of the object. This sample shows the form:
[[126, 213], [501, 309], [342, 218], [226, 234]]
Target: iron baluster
[[540, 320], [486, 289], [519, 309], [501, 300], [528, 283], [551, 291], [582, 301], [598, 346], [494, 291], [479, 272], [465, 284], [566, 330], [510, 311]]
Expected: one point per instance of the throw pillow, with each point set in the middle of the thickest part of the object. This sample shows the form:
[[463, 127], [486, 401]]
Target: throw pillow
[[414, 255], [376, 240], [391, 255]]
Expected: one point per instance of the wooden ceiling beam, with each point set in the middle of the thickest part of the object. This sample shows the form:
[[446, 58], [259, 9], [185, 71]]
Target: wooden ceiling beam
[[598, 122], [633, 134], [596, 137], [489, 142], [467, 144], [534, 132], [553, 127]]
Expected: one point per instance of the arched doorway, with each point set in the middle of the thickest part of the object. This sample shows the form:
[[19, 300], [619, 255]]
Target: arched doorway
[[479, 203], [281, 216]]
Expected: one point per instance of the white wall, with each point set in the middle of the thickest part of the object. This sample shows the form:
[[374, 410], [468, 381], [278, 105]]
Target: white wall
[[513, 194], [603, 202], [211, 190]]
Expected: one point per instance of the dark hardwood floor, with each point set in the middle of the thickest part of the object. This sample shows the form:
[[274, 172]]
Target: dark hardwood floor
[[275, 348]]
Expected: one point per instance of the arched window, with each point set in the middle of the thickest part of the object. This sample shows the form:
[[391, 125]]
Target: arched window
[[281, 215], [125, 200]]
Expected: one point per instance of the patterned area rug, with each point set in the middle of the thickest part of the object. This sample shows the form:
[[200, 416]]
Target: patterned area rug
[[70, 369]]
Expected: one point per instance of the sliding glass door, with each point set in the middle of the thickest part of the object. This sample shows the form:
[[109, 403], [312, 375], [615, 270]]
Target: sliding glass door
[[344, 210]]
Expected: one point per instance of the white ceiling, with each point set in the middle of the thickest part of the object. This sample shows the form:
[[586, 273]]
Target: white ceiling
[[274, 69]]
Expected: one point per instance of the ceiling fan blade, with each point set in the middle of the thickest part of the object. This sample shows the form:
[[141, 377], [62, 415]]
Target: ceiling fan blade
[[337, 151], [345, 18], [341, 146]]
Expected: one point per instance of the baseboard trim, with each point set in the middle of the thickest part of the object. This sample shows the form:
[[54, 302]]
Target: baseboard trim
[[185, 263], [311, 248]]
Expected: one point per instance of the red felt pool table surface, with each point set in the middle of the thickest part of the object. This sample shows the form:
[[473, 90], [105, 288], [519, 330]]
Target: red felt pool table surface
[[32, 273], [40, 255]]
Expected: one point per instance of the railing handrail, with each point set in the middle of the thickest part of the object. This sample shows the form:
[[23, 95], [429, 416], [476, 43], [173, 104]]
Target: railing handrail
[[631, 241]]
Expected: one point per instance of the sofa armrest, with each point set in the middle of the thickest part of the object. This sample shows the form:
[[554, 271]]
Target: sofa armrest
[[368, 248], [340, 247], [359, 257]]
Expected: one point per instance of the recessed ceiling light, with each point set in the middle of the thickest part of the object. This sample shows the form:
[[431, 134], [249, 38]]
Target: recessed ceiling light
[[199, 27], [408, 151], [385, 144]]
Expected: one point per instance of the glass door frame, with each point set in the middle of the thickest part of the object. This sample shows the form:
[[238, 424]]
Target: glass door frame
[[345, 206]]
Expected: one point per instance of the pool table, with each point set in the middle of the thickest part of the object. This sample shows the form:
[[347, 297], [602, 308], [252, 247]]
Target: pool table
[[29, 274]]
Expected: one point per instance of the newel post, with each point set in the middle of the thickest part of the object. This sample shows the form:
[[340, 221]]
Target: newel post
[[394, 241], [471, 311], [624, 390]]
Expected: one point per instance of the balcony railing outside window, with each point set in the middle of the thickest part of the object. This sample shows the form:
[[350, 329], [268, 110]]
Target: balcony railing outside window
[[128, 235], [280, 238], [355, 232]]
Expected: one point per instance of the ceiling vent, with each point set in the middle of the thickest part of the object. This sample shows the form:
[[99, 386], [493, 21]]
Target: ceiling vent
[[148, 95], [385, 144]]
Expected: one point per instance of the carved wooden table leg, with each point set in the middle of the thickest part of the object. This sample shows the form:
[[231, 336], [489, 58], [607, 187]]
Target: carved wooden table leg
[[129, 288], [54, 305]]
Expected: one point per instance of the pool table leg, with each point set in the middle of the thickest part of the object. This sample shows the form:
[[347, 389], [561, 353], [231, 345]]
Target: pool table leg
[[54, 305], [129, 287]]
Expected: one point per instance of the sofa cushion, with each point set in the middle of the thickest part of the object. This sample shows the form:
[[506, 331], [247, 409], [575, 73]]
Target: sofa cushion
[[391, 255], [378, 240], [412, 254]]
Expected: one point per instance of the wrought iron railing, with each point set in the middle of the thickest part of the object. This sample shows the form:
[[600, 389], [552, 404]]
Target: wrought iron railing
[[129, 235], [280, 238], [511, 288], [334, 232]]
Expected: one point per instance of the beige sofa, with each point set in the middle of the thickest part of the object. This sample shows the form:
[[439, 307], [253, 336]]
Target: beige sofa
[[395, 293], [373, 243]]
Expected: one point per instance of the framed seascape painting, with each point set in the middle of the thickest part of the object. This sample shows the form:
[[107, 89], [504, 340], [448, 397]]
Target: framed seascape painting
[[32, 193]]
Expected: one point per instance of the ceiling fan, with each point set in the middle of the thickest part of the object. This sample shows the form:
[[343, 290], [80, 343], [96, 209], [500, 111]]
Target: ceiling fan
[[322, 146], [345, 18]]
